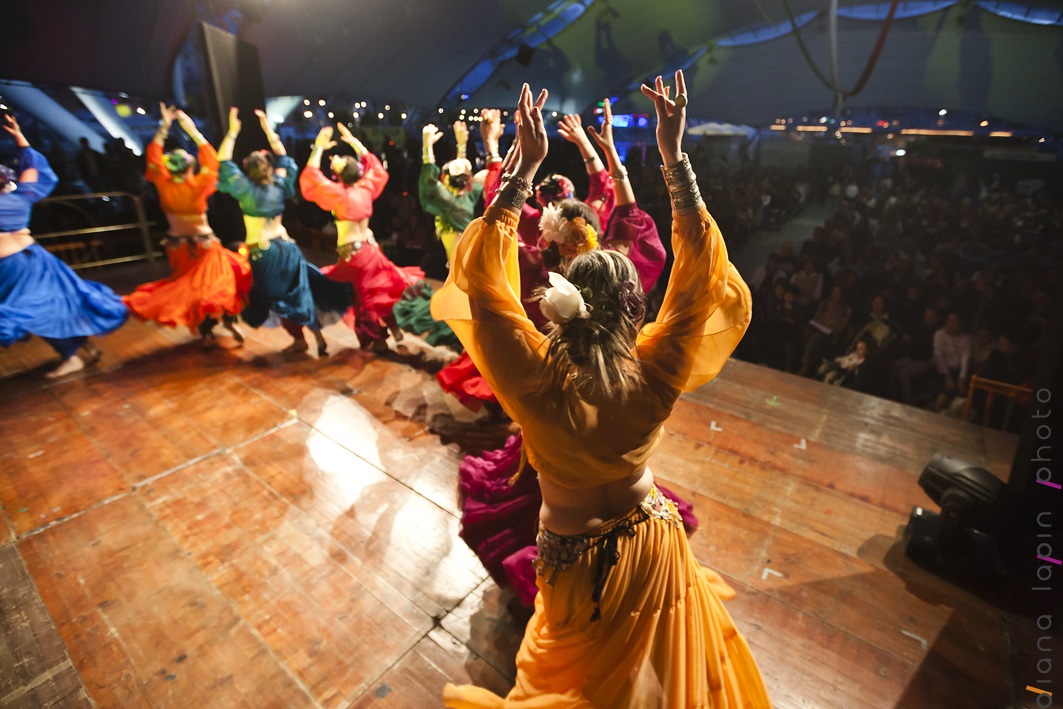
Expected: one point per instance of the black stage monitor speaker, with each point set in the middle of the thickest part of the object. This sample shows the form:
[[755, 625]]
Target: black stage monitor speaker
[[233, 78]]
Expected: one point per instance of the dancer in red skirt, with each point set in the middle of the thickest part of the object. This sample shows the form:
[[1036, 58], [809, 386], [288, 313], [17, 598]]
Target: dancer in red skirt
[[378, 283]]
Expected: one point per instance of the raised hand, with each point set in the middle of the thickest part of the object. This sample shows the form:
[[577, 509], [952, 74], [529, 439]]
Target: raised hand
[[12, 127], [604, 139], [166, 115], [234, 121], [571, 129], [531, 133], [347, 137], [491, 127], [324, 139], [671, 117], [431, 135], [461, 132]]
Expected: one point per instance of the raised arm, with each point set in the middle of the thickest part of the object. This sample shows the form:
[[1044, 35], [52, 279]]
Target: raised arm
[[600, 191], [315, 186], [225, 150], [36, 178], [208, 158], [374, 174], [707, 305], [166, 116], [622, 191], [481, 298]]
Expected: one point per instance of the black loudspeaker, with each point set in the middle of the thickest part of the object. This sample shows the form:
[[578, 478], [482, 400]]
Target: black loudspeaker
[[233, 78], [525, 54]]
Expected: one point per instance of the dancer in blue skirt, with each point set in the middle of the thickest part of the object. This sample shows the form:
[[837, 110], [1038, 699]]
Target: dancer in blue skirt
[[285, 287], [39, 294]]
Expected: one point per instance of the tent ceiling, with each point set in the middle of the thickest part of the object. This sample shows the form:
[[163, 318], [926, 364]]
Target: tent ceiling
[[414, 51]]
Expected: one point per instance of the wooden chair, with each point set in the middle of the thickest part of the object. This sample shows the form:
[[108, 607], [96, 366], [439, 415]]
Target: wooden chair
[[1014, 393]]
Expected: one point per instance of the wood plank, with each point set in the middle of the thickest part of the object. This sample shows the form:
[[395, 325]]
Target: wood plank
[[410, 542], [49, 468], [142, 624], [417, 679], [326, 617], [483, 623], [34, 667]]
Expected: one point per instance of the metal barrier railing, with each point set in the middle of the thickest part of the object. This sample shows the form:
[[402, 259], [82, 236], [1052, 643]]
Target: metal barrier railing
[[141, 224]]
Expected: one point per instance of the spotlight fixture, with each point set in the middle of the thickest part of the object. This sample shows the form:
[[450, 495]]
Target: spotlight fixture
[[961, 541]]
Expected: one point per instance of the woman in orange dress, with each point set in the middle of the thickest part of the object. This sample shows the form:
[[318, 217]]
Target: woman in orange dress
[[625, 616], [207, 282]]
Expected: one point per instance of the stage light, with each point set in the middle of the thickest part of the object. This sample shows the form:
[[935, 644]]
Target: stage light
[[141, 111], [1000, 134], [356, 114], [321, 102], [404, 115], [901, 153], [308, 114], [3, 107], [306, 102], [942, 112], [331, 114], [984, 123], [380, 116], [441, 110], [387, 106], [962, 540]]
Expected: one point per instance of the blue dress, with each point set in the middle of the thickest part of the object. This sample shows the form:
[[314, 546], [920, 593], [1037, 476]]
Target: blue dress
[[285, 286], [39, 294]]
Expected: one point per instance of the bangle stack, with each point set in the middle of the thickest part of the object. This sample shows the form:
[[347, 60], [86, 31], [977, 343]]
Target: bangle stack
[[619, 175], [591, 159], [513, 193], [682, 186]]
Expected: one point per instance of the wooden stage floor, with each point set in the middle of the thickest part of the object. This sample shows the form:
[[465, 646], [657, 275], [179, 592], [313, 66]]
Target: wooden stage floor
[[243, 528]]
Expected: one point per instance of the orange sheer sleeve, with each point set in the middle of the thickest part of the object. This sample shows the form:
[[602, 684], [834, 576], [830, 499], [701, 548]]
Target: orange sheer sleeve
[[706, 309], [481, 303]]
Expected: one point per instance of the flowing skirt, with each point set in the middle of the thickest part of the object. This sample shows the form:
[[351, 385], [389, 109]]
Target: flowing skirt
[[378, 284], [414, 314], [663, 638], [462, 379], [500, 515], [41, 295], [285, 286], [207, 280]]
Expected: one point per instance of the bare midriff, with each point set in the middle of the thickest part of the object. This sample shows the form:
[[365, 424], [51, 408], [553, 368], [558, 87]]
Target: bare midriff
[[263, 229], [581, 511], [188, 225], [352, 231], [11, 242]]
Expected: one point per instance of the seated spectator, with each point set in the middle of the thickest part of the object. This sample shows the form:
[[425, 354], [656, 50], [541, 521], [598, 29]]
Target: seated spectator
[[809, 282], [916, 348], [826, 331], [952, 358]]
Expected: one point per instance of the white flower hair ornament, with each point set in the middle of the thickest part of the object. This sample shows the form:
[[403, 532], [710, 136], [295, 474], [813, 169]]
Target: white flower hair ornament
[[563, 301], [550, 223]]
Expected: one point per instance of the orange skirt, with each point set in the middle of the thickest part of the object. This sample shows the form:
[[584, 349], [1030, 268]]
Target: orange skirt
[[206, 280], [663, 638]]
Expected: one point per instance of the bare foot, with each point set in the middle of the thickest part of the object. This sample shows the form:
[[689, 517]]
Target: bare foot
[[378, 346], [322, 346], [296, 347], [67, 366], [209, 341]]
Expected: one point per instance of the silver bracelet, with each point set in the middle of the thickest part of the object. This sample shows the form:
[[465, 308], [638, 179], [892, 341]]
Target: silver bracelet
[[682, 185], [619, 176]]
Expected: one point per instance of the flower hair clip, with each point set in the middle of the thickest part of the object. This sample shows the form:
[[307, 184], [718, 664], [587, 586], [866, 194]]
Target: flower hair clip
[[562, 301], [572, 236], [632, 301]]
